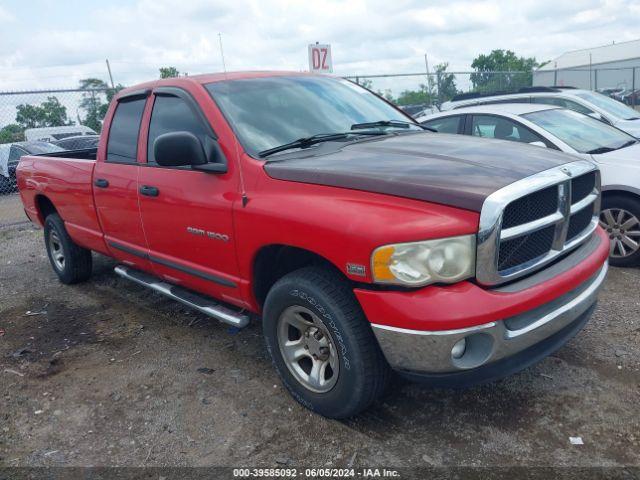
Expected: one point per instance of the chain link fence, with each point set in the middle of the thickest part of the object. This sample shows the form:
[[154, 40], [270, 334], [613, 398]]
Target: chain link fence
[[33, 122]]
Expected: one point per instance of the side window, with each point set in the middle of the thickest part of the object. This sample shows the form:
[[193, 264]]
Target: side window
[[122, 146], [15, 153], [491, 126], [172, 114], [562, 102], [445, 124]]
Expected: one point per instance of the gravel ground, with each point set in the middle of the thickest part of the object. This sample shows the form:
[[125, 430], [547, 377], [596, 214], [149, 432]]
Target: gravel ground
[[109, 374]]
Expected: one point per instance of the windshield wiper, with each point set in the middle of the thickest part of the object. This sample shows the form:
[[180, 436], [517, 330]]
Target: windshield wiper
[[599, 150], [390, 123], [312, 140], [627, 144]]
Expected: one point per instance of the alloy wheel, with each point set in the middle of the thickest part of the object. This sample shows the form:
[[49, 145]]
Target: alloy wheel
[[623, 229], [308, 349]]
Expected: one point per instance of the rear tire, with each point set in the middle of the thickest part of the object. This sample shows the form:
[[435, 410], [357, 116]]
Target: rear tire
[[312, 314], [71, 262], [620, 218]]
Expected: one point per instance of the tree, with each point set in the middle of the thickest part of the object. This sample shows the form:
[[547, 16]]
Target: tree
[[11, 133], [92, 102], [95, 101], [502, 60], [50, 113], [169, 72], [415, 97], [445, 83]]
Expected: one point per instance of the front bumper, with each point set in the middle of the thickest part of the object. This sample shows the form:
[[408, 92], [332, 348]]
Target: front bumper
[[531, 315], [431, 351]]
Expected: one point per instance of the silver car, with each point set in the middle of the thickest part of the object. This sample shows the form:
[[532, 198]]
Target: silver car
[[590, 103]]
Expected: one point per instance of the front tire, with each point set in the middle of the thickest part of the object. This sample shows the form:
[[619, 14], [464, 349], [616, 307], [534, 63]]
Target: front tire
[[71, 262], [620, 218], [322, 345]]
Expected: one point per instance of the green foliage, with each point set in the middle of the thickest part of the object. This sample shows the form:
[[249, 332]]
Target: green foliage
[[11, 133], [95, 101], [169, 72], [502, 60], [445, 83], [50, 113], [415, 97]]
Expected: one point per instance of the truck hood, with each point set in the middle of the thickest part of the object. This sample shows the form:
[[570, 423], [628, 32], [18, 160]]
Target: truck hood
[[452, 170]]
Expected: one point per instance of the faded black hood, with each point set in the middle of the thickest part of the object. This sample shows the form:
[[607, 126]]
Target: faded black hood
[[454, 170]]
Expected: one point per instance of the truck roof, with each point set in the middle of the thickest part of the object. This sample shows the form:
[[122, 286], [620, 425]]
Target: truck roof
[[210, 78]]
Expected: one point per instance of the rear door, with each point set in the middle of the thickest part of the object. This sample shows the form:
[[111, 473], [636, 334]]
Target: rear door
[[187, 214], [116, 185]]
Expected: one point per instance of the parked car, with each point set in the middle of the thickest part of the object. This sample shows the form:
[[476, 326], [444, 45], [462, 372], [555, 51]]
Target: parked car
[[616, 152], [49, 134], [584, 101], [632, 97], [78, 142], [363, 241], [10, 154]]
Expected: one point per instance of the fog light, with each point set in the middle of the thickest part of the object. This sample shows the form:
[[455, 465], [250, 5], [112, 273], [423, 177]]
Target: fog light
[[459, 348]]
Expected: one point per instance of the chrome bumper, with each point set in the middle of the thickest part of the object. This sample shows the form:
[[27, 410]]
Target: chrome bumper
[[431, 351]]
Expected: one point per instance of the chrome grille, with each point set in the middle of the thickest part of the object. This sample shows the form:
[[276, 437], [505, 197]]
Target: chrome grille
[[531, 222]]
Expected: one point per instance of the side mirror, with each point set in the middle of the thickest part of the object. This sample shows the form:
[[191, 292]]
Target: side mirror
[[599, 117], [178, 149], [538, 144]]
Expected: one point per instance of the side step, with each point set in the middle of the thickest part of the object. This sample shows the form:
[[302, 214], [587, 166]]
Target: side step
[[203, 304]]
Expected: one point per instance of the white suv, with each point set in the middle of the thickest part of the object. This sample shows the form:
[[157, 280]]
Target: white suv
[[584, 101]]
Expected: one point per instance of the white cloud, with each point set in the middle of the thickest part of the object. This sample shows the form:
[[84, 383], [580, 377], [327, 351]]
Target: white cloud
[[367, 36]]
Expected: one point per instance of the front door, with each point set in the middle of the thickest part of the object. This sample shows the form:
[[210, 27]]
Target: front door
[[187, 214], [116, 185]]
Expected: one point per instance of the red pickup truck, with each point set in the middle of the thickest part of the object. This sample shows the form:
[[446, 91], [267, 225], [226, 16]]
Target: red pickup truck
[[365, 243]]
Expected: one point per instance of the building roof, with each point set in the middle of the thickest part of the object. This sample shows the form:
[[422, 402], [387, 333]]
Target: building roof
[[604, 54]]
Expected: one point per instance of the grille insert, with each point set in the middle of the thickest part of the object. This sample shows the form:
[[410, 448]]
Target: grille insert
[[582, 186], [579, 221], [526, 248], [526, 209]]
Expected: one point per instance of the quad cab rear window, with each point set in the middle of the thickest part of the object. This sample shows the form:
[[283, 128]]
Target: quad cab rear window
[[123, 133]]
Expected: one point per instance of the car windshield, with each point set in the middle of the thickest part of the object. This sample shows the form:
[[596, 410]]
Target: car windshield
[[609, 105], [581, 132], [273, 111]]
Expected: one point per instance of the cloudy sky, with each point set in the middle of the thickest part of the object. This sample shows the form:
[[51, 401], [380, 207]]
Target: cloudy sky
[[53, 43]]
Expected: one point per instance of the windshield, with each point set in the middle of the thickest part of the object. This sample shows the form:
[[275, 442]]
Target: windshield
[[273, 111], [581, 132], [609, 105]]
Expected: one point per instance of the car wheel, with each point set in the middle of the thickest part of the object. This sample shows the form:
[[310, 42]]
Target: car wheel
[[321, 344], [71, 262], [620, 218]]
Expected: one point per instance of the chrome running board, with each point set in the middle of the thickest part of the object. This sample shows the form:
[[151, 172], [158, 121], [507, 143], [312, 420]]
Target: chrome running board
[[199, 302]]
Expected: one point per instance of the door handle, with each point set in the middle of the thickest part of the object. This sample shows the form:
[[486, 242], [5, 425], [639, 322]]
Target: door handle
[[149, 191], [101, 183]]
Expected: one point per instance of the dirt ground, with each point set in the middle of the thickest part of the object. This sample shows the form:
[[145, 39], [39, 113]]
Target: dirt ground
[[108, 374]]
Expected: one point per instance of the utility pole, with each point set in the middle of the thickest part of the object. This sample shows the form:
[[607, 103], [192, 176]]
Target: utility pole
[[110, 76], [224, 66], [429, 80]]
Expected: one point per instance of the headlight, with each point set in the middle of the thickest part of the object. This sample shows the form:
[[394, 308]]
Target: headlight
[[446, 260]]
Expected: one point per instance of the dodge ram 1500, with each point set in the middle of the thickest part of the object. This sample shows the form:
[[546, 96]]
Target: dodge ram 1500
[[365, 243]]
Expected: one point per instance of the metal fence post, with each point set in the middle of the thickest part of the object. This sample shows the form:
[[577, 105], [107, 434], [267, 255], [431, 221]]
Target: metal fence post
[[633, 87]]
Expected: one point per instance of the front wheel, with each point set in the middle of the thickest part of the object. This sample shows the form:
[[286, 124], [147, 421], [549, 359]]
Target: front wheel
[[321, 343], [620, 218]]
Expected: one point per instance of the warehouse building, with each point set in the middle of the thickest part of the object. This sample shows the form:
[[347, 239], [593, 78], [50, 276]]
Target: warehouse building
[[614, 66]]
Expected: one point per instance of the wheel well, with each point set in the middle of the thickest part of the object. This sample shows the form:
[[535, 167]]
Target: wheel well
[[621, 193], [45, 206], [275, 261]]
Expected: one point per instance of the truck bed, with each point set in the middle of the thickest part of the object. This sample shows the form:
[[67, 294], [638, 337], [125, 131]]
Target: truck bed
[[65, 180]]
